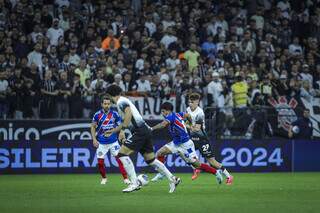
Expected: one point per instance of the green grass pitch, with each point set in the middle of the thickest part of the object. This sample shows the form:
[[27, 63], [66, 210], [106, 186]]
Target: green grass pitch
[[254, 192]]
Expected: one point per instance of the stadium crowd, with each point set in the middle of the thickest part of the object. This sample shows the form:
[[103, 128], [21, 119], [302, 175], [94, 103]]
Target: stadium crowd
[[58, 56]]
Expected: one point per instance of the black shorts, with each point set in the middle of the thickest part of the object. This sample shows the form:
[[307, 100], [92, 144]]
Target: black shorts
[[140, 140], [202, 144]]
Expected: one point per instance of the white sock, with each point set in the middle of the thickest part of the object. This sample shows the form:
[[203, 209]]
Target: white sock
[[226, 173], [128, 166], [161, 168]]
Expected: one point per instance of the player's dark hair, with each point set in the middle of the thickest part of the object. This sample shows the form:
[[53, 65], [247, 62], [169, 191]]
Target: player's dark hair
[[194, 96], [167, 106], [114, 90], [106, 97]]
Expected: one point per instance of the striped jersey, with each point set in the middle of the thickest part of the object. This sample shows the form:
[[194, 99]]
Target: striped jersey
[[177, 128], [106, 121]]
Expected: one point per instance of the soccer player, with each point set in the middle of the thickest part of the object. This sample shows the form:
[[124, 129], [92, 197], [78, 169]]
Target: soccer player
[[200, 138], [140, 141], [102, 121], [181, 144]]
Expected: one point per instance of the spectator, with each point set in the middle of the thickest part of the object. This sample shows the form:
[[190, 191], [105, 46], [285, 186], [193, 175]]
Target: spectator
[[143, 84], [63, 97], [214, 90], [55, 32], [239, 93], [4, 92], [35, 56], [164, 90], [302, 128], [192, 56], [88, 99], [83, 72], [49, 92], [110, 41], [76, 106]]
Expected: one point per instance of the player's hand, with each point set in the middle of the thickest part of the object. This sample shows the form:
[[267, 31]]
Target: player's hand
[[95, 143], [122, 136]]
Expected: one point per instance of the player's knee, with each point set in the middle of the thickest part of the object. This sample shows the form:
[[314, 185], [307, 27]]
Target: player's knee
[[150, 161]]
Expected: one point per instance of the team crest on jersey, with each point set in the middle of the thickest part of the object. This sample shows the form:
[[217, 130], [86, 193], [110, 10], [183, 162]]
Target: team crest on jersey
[[285, 109]]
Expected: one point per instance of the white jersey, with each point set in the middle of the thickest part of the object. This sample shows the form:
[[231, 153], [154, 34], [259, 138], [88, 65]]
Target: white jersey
[[137, 120], [197, 117]]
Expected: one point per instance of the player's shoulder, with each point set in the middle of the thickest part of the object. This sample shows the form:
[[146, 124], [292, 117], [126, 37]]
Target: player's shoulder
[[114, 112], [98, 112], [200, 110]]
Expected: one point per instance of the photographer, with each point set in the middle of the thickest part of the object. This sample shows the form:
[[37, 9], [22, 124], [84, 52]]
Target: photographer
[[301, 128]]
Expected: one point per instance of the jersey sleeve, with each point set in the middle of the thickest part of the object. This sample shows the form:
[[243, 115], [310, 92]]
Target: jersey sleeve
[[122, 105], [182, 114], [95, 118], [170, 118]]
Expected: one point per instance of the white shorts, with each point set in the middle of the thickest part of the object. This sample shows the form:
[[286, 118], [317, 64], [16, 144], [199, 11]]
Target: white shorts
[[103, 149], [185, 150]]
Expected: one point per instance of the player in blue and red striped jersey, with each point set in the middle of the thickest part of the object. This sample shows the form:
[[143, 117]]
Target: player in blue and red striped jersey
[[181, 144], [104, 120]]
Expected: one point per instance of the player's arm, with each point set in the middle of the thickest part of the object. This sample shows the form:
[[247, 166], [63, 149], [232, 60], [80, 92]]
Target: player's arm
[[121, 136], [161, 125], [93, 134], [290, 133]]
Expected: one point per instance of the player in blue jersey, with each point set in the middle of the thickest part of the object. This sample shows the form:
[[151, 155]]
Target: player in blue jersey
[[181, 144], [104, 120]]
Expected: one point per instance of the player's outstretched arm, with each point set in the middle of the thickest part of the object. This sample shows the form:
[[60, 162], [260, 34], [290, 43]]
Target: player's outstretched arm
[[161, 125]]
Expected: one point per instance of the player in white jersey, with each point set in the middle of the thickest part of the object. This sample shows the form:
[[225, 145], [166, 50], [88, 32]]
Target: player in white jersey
[[200, 138], [138, 141]]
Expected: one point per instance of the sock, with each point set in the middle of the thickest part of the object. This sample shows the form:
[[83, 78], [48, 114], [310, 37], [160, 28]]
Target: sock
[[128, 166], [121, 168], [208, 168], [160, 167], [101, 167], [225, 171], [162, 159]]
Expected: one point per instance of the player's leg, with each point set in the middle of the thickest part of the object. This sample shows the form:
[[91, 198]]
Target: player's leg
[[123, 155], [114, 150], [101, 153], [160, 155], [206, 150], [214, 163], [196, 172], [149, 157], [190, 156]]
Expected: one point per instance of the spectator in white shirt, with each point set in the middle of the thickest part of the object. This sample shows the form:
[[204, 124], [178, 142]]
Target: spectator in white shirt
[[214, 89], [168, 38], [150, 25], [35, 56], [143, 84], [74, 58], [99, 83], [306, 76], [295, 48], [36, 34], [54, 32]]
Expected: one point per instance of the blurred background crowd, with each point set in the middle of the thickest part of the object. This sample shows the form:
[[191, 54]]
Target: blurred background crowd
[[58, 56]]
